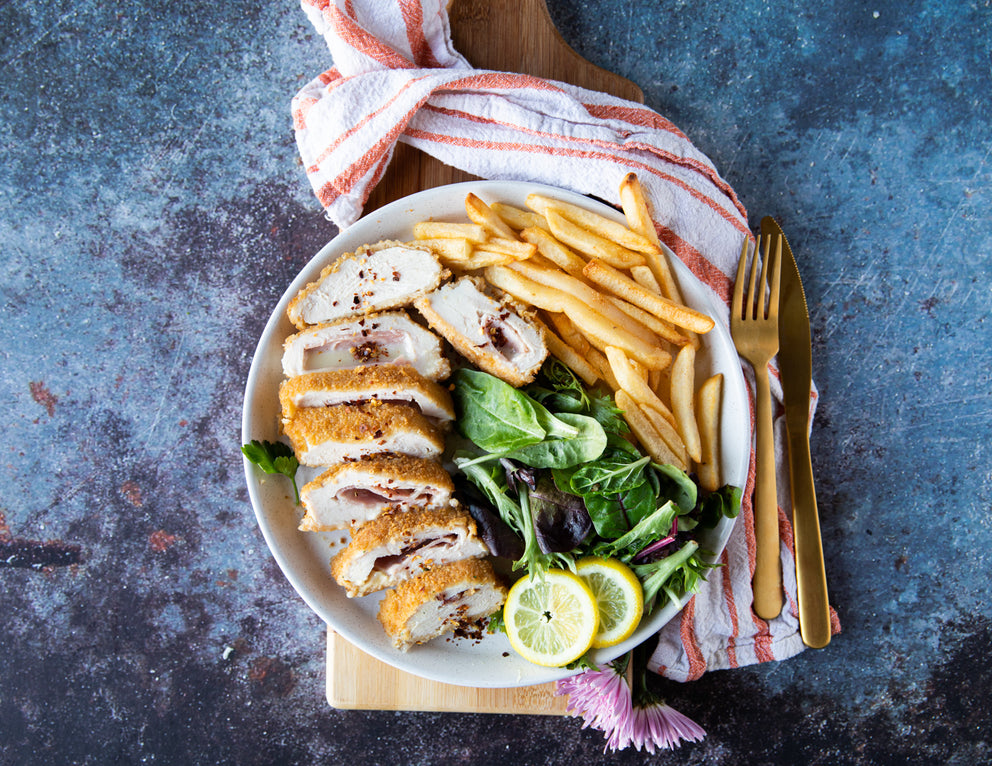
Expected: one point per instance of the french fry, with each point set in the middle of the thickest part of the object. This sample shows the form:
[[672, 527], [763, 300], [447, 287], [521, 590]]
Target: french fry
[[483, 259], [635, 385], [654, 379], [569, 356], [553, 250], [598, 329], [594, 222], [659, 327], [442, 230], [519, 250], [683, 404], [588, 295], [623, 286], [524, 289], [448, 250], [635, 208], [646, 434], [563, 325], [598, 360], [667, 433], [645, 278], [519, 219], [708, 399], [479, 212], [590, 244]]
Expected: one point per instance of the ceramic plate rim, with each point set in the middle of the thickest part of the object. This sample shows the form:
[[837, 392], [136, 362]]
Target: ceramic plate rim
[[454, 661]]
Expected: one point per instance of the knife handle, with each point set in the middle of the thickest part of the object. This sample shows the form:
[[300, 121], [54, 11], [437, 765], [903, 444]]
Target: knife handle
[[767, 581], [811, 576]]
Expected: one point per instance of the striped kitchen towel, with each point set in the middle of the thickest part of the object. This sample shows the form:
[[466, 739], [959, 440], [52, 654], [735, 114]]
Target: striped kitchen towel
[[397, 77]]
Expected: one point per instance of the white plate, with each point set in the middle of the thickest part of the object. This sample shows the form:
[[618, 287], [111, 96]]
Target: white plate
[[304, 557]]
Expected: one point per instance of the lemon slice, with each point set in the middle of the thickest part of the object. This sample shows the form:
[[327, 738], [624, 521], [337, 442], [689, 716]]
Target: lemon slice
[[619, 598], [551, 622]]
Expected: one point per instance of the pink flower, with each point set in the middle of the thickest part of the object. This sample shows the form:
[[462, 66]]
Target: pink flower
[[660, 725], [604, 700], [601, 697]]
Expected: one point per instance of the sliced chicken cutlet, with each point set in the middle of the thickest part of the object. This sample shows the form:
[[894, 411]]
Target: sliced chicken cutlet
[[440, 600], [383, 383], [401, 544], [376, 339], [324, 436], [489, 333], [374, 278], [352, 494]]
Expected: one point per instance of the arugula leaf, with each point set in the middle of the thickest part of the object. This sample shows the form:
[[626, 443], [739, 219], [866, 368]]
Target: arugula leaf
[[273, 457], [676, 575]]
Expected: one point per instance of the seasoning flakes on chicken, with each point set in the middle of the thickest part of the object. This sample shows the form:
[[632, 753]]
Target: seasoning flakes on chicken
[[323, 436], [377, 339], [352, 494], [442, 599], [377, 277], [384, 383], [399, 545], [489, 333]]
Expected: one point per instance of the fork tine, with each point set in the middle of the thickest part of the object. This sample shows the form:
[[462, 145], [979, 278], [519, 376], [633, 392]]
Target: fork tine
[[737, 304], [755, 304], [762, 297], [776, 280]]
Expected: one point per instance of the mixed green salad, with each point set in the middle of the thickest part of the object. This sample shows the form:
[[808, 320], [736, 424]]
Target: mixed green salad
[[552, 477]]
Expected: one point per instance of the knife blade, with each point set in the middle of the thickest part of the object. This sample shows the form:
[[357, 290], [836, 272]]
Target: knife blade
[[796, 371]]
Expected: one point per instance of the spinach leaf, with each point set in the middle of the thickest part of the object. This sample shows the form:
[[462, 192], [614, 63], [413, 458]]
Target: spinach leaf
[[616, 514], [726, 501], [652, 527], [587, 443], [608, 476], [494, 414], [678, 486]]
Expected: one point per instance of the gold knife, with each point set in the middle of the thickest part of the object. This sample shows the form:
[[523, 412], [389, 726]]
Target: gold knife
[[795, 368]]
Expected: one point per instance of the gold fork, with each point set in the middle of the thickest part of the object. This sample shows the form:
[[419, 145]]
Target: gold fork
[[755, 331]]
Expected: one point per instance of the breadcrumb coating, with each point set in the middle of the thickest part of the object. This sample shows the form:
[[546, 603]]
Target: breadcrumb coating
[[466, 577], [386, 382], [361, 429]]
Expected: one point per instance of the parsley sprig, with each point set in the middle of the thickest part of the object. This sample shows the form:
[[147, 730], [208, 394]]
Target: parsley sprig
[[274, 457]]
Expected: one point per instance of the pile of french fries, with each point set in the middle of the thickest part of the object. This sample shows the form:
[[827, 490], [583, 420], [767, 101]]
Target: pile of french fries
[[609, 306]]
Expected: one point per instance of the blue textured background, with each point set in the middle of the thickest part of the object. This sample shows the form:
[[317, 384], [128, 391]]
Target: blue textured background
[[153, 210]]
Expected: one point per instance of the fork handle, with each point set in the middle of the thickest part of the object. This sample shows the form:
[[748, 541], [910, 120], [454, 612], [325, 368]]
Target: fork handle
[[767, 581]]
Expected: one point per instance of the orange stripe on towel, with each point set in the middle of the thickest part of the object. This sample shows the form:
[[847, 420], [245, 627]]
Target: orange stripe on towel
[[697, 665]]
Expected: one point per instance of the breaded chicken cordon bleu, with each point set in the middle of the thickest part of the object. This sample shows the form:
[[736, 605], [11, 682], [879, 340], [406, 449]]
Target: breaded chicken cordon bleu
[[389, 338], [399, 545], [323, 436], [442, 599], [488, 332], [373, 278], [387, 384], [348, 495]]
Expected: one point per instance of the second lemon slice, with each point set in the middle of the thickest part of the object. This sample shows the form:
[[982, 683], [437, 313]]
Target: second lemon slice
[[551, 622], [619, 598]]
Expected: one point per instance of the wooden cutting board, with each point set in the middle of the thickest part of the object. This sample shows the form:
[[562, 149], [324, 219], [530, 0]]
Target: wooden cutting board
[[506, 35]]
